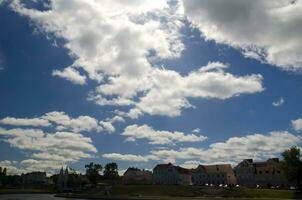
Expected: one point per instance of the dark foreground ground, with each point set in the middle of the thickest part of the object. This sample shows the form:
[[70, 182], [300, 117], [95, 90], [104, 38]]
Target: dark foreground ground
[[153, 192], [188, 192]]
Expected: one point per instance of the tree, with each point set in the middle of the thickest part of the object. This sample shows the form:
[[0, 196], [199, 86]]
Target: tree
[[3, 176], [292, 165], [111, 171], [93, 172]]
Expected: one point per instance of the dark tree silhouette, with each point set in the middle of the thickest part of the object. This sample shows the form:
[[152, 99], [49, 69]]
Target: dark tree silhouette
[[292, 165], [93, 172], [111, 171]]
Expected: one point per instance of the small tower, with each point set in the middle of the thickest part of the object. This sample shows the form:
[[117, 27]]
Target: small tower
[[62, 180]]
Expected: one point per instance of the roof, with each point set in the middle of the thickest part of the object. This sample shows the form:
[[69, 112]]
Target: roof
[[182, 170], [179, 169], [162, 166], [227, 168], [137, 171], [261, 165]]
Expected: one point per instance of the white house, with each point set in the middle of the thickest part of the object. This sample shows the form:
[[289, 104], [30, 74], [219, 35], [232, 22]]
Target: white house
[[168, 174]]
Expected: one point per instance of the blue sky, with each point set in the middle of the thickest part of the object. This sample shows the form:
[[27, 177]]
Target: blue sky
[[246, 105]]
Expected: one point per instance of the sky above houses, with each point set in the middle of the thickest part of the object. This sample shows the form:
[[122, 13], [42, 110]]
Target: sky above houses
[[140, 82]]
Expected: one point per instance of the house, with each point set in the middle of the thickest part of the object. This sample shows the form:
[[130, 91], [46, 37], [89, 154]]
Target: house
[[214, 174], [265, 173], [136, 176], [168, 174], [34, 178]]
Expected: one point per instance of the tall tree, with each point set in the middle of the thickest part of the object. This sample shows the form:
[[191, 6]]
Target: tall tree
[[93, 172], [111, 171], [292, 165]]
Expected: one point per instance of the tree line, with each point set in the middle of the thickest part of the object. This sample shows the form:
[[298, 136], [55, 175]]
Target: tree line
[[291, 164]]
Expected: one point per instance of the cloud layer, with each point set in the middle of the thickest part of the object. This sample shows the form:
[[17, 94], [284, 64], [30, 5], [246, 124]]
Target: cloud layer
[[113, 43], [233, 150], [136, 132], [62, 122], [261, 29], [48, 151]]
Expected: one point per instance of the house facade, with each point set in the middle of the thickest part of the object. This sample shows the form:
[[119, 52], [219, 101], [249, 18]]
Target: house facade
[[168, 174], [34, 178], [213, 174], [137, 176], [265, 174]]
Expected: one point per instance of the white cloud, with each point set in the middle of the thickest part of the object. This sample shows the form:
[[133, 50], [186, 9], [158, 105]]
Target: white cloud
[[297, 125], [134, 132], [111, 37], [233, 150], [63, 122], [24, 121], [196, 130], [191, 164], [278, 103], [50, 150], [11, 167], [113, 41], [170, 91], [263, 30], [213, 66], [71, 75], [127, 157], [256, 146]]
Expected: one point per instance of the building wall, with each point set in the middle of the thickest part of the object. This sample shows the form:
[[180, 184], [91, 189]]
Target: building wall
[[165, 177], [185, 179], [137, 177], [202, 178], [264, 174], [34, 178]]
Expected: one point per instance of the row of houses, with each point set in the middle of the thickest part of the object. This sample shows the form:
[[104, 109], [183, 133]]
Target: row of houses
[[247, 173]]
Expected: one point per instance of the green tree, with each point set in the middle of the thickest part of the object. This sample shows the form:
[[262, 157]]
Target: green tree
[[111, 171], [292, 165], [93, 172]]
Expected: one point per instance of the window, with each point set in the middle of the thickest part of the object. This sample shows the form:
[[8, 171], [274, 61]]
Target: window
[[260, 172], [266, 172]]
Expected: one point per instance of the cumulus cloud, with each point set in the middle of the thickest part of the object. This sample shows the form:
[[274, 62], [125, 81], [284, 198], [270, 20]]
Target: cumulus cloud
[[71, 75], [135, 132], [196, 130], [24, 121], [278, 103], [233, 150], [128, 157], [111, 37], [274, 39], [113, 43], [256, 146], [170, 91], [63, 122], [213, 66], [11, 167], [46, 148], [297, 125]]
